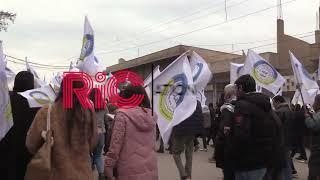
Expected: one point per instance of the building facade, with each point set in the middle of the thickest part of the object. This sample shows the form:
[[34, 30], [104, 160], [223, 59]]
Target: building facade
[[219, 62]]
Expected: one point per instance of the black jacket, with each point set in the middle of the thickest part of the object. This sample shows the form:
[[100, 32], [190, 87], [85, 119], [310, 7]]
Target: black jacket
[[14, 155], [222, 140], [287, 118], [192, 125], [253, 133]]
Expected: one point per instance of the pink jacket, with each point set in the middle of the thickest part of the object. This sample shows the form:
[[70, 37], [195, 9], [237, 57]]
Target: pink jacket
[[132, 147]]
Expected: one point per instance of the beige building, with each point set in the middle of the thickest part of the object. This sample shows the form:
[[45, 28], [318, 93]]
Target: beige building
[[219, 62]]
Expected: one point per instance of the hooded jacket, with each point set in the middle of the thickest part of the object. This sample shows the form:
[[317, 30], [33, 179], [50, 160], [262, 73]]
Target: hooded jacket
[[13, 152], [253, 133], [132, 146]]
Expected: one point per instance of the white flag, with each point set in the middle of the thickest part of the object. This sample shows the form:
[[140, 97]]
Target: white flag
[[57, 79], [156, 73], [201, 98], [318, 71], [235, 71], [265, 75], [40, 96], [302, 76], [148, 80], [308, 96], [201, 73], [10, 75], [88, 62], [37, 81], [174, 100], [6, 121]]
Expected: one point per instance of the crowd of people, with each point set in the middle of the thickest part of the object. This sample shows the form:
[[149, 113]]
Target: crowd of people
[[254, 137]]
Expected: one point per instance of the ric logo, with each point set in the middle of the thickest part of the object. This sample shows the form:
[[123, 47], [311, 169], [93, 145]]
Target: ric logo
[[109, 89]]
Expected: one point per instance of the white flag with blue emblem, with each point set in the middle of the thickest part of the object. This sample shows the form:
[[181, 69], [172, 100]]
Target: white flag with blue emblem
[[235, 71], [40, 96], [265, 75], [174, 99], [201, 73], [302, 76], [6, 121], [88, 62]]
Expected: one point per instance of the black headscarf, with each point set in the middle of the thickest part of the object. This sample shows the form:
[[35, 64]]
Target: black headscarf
[[24, 81]]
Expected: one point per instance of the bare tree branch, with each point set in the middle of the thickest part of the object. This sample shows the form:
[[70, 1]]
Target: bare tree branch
[[6, 16]]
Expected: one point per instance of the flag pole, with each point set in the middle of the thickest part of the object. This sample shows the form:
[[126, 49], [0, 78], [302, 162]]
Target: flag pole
[[299, 84], [152, 87]]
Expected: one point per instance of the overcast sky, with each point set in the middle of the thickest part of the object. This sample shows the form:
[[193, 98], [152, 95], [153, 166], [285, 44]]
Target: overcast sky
[[50, 32]]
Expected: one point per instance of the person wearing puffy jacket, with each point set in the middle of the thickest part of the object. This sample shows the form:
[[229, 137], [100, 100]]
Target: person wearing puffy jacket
[[132, 147]]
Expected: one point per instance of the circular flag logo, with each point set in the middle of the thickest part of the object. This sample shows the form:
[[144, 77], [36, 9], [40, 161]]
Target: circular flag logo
[[196, 71], [172, 95], [87, 46], [264, 72], [40, 97], [239, 70]]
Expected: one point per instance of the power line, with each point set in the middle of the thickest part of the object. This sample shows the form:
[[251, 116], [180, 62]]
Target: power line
[[162, 30], [196, 30]]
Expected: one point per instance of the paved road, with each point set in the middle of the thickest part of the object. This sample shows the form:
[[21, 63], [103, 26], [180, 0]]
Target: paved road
[[203, 170]]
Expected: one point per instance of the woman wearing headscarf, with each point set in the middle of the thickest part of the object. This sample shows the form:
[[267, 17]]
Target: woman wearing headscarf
[[223, 134], [13, 152]]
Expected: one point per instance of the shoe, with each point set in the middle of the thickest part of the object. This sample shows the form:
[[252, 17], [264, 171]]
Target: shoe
[[206, 149], [294, 172], [201, 149], [196, 148], [301, 159], [102, 177], [211, 160], [160, 151]]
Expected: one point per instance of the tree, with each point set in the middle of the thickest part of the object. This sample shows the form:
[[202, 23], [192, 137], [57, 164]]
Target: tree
[[6, 16]]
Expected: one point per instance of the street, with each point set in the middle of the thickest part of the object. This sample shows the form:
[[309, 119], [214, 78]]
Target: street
[[203, 170]]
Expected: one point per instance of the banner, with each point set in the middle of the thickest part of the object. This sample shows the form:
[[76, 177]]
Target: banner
[[201, 73], [6, 121], [236, 70], [37, 81], [302, 76], [265, 75], [174, 100], [40, 96], [88, 62]]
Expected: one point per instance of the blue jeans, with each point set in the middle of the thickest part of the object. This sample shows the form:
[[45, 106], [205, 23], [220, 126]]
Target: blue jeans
[[288, 170], [257, 174], [97, 154]]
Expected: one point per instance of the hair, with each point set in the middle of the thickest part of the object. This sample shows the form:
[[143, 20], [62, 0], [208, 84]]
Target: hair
[[297, 107], [129, 90], [247, 83], [76, 116], [96, 92], [279, 99]]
